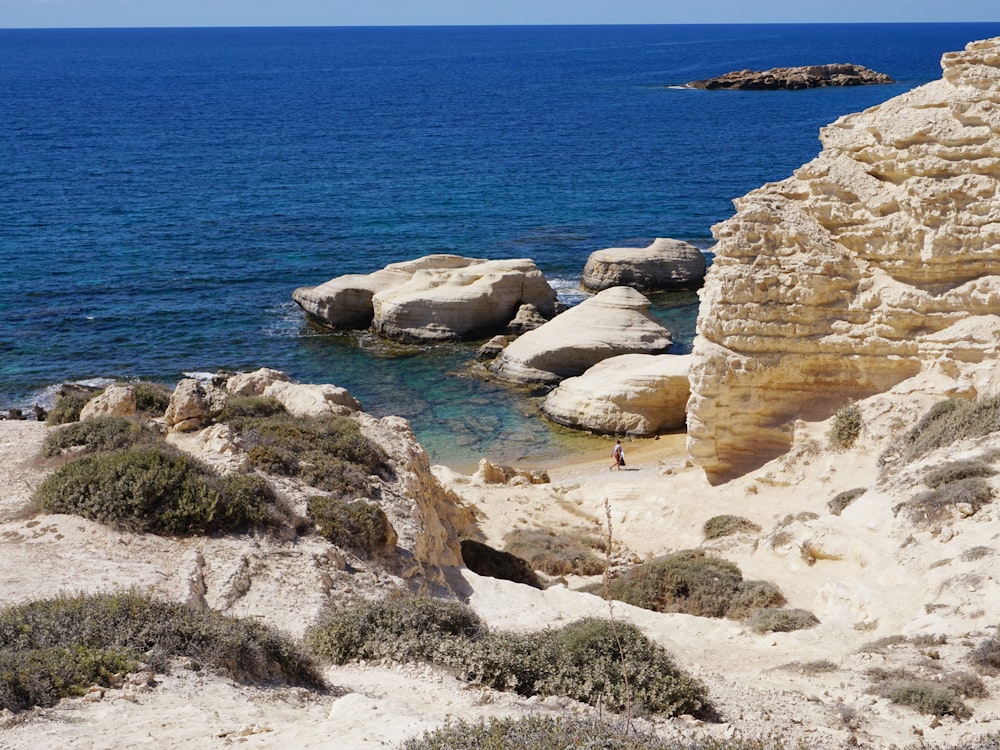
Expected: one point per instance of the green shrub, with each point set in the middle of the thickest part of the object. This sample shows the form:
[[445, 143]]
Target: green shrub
[[68, 407], [485, 561], [937, 504], [948, 422], [557, 554], [587, 660], [151, 398], [330, 453], [986, 656], [780, 620], [95, 435], [355, 524], [846, 427], [928, 698], [727, 525], [956, 470], [250, 406], [401, 629], [61, 646], [842, 499], [689, 582], [753, 596], [154, 489]]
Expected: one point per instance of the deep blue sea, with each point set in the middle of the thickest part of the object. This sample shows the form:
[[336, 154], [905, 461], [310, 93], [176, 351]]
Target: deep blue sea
[[163, 191]]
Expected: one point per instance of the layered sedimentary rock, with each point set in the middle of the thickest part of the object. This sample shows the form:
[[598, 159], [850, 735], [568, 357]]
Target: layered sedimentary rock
[[634, 394], [615, 321], [665, 265], [802, 77], [865, 267], [435, 298]]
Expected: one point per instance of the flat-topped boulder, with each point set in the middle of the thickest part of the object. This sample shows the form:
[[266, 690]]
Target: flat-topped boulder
[[665, 265], [615, 321], [434, 298], [632, 394], [802, 77]]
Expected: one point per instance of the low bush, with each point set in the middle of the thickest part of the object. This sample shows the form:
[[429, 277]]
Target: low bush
[[151, 399], [753, 596], [250, 406], [330, 453], [587, 660], [727, 525], [356, 524], [62, 646], [956, 470], [842, 499], [68, 407], [938, 504], [781, 620], [947, 422], [846, 427], [96, 435], [559, 733], [986, 656], [557, 554], [939, 696], [155, 489], [485, 561]]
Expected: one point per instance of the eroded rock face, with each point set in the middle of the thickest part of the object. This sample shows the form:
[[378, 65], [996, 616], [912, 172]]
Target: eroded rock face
[[615, 321], [634, 394], [313, 399], [802, 77], [113, 401], [193, 405], [434, 298], [851, 275], [665, 265]]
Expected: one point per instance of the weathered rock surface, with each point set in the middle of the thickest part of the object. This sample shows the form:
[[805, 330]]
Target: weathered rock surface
[[615, 321], [435, 298], [633, 394], [312, 399], [802, 77], [877, 260], [665, 265], [113, 401], [193, 405], [254, 383]]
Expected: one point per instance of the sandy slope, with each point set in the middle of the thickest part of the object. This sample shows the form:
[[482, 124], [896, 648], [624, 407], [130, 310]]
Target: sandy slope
[[863, 574]]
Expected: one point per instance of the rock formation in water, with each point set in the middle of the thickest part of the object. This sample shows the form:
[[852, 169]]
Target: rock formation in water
[[435, 298], [877, 260], [665, 265], [615, 321], [803, 77]]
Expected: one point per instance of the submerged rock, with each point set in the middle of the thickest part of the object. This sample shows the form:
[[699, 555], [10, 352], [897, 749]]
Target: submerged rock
[[803, 77]]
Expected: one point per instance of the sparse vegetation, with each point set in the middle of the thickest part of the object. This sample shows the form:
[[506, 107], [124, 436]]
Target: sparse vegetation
[[356, 524], [846, 427], [753, 596], [557, 554], [781, 620], [97, 435], [986, 656], [68, 407], [939, 696], [586, 660], [956, 470], [484, 560], [948, 422], [842, 499], [975, 553], [727, 525], [330, 453], [819, 666], [59, 647], [938, 504], [250, 406], [155, 489], [151, 398]]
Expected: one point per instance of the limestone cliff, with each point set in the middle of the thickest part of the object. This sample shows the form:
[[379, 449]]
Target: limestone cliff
[[855, 273]]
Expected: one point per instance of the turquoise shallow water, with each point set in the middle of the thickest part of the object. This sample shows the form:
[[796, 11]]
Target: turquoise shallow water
[[163, 191]]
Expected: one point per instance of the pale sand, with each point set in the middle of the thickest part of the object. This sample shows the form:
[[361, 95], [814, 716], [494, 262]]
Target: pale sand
[[865, 581]]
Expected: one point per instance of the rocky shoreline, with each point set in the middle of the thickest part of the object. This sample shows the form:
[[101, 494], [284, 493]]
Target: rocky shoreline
[[791, 79]]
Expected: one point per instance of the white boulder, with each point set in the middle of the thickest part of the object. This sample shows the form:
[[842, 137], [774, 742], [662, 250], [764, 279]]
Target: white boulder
[[312, 399], [665, 265], [113, 401]]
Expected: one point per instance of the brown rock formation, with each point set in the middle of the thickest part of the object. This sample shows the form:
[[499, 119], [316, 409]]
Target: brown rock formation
[[803, 77], [847, 277]]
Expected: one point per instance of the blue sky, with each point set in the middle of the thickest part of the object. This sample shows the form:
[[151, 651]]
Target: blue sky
[[91, 13]]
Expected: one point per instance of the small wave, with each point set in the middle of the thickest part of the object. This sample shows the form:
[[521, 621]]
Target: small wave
[[203, 377]]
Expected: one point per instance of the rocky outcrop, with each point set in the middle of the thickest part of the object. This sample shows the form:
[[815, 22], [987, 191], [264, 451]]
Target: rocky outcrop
[[665, 265], [877, 260], [114, 401], [616, 321], [803, 77], [193, 405], [436, 298], [634, 394], [313, 399], [254, 383]]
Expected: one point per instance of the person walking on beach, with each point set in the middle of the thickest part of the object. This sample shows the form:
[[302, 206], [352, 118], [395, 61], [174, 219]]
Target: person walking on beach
[[618, 455]]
